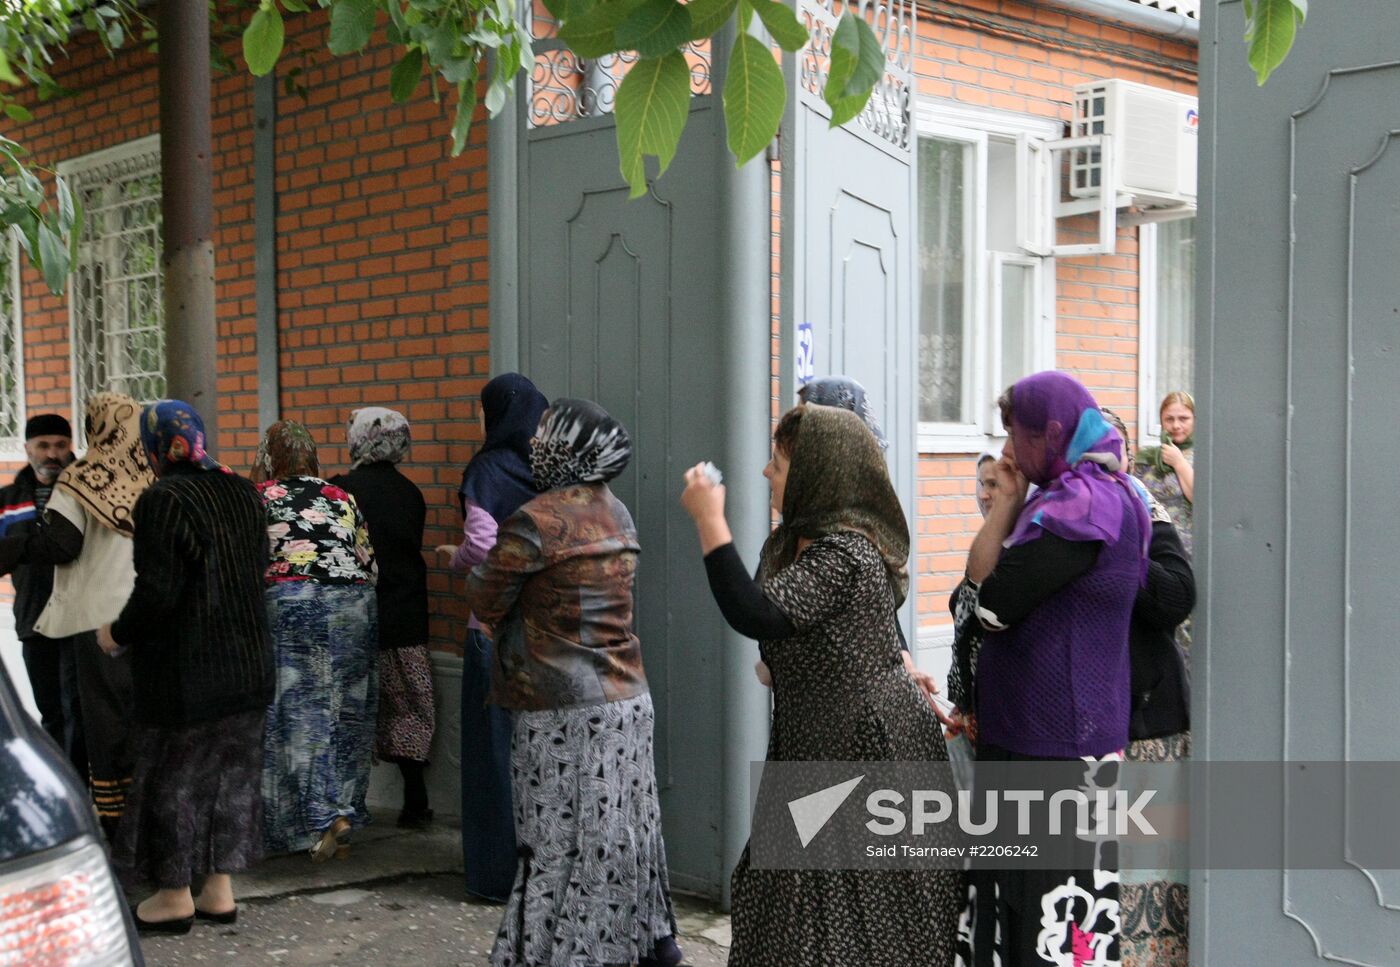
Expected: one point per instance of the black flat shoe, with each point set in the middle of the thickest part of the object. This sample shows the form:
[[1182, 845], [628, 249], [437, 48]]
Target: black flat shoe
[[230, 916], [665, 953], [179, 927], [415, 819]]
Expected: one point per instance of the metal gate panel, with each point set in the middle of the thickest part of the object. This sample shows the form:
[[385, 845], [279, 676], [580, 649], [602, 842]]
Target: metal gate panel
[[1297, 342], [848, 238]]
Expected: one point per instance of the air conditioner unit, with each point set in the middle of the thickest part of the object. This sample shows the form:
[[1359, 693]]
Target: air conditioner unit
[[1151, 135]]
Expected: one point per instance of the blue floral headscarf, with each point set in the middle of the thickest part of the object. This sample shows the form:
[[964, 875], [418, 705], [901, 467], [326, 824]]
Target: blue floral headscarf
[[173, 434]]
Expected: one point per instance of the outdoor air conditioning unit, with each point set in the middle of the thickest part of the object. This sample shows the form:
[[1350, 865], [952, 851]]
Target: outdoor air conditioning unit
[[1151, 137]]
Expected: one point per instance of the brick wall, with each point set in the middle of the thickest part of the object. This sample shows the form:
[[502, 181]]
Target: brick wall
[[382, 277], [1026, 59]]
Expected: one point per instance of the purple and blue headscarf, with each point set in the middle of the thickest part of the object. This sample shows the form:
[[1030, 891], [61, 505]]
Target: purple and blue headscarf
[[1080, 475], [172, 434]]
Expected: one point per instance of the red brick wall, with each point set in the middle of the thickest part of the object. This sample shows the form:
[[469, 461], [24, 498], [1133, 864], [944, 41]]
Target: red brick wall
[[382, 276], [1027, 58]]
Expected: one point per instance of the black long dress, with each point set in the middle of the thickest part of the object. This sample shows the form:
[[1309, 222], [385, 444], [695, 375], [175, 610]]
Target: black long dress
[[827, 631]]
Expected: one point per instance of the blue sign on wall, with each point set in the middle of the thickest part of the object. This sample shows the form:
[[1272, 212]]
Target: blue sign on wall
[[806, 354]]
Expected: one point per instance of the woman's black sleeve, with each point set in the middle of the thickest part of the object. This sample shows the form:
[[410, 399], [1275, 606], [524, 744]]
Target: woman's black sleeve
[[1029, 573], [742, 602], [1170, 593]]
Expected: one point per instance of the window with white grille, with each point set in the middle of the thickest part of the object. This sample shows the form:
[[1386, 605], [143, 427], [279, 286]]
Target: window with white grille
[[1167, 300], [118, 329], [11, 350]]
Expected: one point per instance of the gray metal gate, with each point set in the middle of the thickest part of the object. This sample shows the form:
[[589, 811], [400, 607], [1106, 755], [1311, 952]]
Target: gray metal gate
[[657, 309], [848, 232], [1298, 339]]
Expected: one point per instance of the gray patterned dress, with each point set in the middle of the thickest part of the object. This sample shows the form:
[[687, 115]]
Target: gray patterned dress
[[840, 693]]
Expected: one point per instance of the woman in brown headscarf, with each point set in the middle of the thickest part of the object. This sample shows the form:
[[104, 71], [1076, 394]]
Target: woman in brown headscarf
[[823, 611], [324, 617]]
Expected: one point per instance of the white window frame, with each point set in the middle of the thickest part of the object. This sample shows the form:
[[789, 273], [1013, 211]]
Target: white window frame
[[12, 448], [1149, 427], [72, 169], [1035, 219]]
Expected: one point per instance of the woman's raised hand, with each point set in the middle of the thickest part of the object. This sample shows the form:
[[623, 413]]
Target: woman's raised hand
[[702, 499]]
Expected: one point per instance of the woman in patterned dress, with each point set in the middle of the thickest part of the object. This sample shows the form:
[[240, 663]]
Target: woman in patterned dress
[[1156, 903], [395, 513], [322, 608], [823, 610], [555, 592]]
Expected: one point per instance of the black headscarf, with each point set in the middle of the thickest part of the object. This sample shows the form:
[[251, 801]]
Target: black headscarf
[[498, 478], [578, 443], [837, 481]]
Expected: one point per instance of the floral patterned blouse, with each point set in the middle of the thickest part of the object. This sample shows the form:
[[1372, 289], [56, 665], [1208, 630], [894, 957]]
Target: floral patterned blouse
[[317, 533]]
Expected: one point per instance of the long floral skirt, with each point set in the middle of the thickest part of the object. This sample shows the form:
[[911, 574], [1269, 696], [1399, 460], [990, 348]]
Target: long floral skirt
[[321, 723], [193, 807], [591, 885], [1025, 917], [406, 716]]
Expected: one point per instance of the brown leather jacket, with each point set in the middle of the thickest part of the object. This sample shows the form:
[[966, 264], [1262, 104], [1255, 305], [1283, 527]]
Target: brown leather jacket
[[557, 592]]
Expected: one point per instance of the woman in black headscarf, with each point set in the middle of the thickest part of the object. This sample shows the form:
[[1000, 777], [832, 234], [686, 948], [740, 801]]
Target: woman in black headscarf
[[557, 589], [494, 485]]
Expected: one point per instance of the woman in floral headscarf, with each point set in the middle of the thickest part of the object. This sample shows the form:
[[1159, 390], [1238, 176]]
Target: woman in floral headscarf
[[556, 590], [322, 608], [395, 512], [201, 675]]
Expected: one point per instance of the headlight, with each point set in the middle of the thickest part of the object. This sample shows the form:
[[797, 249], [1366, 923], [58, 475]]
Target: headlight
[[61, 907]]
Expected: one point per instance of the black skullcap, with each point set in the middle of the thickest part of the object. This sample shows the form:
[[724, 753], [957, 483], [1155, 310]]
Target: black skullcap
[[47, 424]]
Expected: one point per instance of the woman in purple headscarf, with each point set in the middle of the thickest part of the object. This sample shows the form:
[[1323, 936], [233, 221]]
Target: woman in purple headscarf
[[1056, 577]]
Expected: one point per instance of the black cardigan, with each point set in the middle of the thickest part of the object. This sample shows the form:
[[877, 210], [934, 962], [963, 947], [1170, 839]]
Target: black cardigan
[[395, 513], [1161, 688], [196, 621]]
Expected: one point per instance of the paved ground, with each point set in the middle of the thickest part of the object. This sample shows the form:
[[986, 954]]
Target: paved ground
[[397, 899]]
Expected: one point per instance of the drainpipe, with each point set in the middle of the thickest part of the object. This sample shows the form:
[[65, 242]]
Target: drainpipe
[[1136, 16], [744, 341], [187, 209]]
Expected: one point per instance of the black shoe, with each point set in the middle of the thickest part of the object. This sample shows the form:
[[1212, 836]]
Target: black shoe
[[665, 953], [229, 916], [415, 819], [181, 926]]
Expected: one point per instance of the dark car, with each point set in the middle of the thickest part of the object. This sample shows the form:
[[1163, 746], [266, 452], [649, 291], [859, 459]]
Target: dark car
[[59, 900]]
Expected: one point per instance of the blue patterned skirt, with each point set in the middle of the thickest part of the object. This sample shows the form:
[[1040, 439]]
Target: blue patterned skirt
[[320, 725]]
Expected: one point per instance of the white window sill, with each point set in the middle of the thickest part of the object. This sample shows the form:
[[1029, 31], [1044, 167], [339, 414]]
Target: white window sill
[[940, 438]]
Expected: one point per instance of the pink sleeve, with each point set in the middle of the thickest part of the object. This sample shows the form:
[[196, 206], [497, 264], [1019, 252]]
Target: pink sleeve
[[478, 537]]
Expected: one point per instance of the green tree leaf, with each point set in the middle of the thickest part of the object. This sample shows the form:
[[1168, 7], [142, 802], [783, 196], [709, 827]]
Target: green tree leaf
[[707, 16], [857, 64], [466, 106], [18, 113], [655, 28], [296, 6], [6, 74], [782, 24], [566, 10], [1270, 35], [652, 107], [53, 259], [403, 81], [352, 23], [754, 97], [594, 34], [263, 39]]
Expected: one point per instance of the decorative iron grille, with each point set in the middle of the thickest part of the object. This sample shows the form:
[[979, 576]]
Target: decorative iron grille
[[888, 116], [118, 326], [11, 349], [564, 87]]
